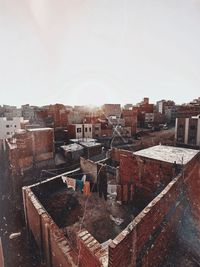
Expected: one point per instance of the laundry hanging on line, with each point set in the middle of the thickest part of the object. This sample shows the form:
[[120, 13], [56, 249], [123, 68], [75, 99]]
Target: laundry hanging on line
[[74, 183], [79, 184], [71, 183]]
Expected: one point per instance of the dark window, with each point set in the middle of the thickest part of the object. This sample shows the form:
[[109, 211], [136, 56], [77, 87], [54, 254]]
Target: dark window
[[8, 133], [96, 128], [78, 130], [86, 130], [7, 126], [15, 126], [90, 129], [180, 126], [192, 127]]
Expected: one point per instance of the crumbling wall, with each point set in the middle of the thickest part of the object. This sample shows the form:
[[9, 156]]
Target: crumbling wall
[[145, 241], [90, 250], [53, 245]]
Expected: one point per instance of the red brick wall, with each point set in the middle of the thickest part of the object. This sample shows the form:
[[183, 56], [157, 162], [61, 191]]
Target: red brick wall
[[53, 245], [115, 153], [107, 132], [121, 252], [192, 181], [42, 141], [140, 243], [147, 172], [89, 250], [71, 131], [130, 117]]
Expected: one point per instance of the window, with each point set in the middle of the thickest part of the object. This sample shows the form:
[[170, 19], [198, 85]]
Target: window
[[15, 126], [86, 130], [8, 133], [180, 126], [78, 130], [90, 129], [96, 128], [192, 127], [7, 126]]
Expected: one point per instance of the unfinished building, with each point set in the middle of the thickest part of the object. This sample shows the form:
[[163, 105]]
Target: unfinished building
[[128, 210]]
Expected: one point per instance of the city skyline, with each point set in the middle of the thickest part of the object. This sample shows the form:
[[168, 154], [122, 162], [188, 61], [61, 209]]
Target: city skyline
[[101, 104]]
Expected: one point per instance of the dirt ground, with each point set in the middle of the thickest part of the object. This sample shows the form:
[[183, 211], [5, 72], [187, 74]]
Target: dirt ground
[[72, 211]]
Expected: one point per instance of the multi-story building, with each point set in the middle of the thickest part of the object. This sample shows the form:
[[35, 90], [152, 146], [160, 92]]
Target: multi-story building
[[59, 114], [162, 105], [74, 117], [28, 112], [52, 116], [115, 121], [171, 113], [92, 130], [12, 111], [30, 148], [141, 109], [130, 118], [128, 106], [8, 126], [75, 131], [188, 131], [186, 111], [149, 118], [112, 110]]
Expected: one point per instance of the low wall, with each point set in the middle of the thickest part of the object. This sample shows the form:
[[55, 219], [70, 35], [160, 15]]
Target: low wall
[[52, 244], [145, 241], [91, 252]]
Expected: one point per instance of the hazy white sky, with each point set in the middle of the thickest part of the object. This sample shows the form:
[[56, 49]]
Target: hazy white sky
[[97, 51]]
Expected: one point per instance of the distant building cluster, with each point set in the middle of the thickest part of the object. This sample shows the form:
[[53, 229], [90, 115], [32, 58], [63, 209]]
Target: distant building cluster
[[105, 186]]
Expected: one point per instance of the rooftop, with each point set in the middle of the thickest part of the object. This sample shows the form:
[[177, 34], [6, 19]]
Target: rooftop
[[39, 129], [83, 140], [168, 154], [89, 144], [103, 219], [72, 147]]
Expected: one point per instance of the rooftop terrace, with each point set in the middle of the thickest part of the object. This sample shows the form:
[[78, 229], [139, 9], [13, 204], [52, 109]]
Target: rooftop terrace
[[168, 154]]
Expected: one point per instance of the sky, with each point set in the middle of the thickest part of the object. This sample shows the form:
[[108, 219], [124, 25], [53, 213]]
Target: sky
[[79, 52]]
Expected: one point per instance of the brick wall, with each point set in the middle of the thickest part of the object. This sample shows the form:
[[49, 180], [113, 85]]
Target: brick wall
[[144, 242], [90, 250], [148, 236], [53, 246], [192, 182], [43, 144], [149, 173]]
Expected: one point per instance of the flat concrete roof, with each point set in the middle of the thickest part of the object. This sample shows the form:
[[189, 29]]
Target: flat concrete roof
[[89, 144], [39, 129], [168, 154], [72, 147], [83, 140]]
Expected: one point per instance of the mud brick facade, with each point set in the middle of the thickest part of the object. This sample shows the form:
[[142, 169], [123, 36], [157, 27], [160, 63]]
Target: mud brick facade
[[144, 242], [30, 148], [130, 117]]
